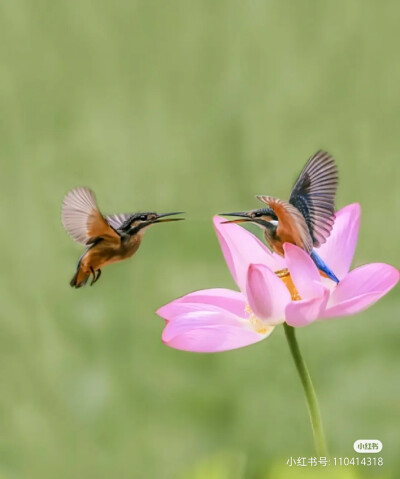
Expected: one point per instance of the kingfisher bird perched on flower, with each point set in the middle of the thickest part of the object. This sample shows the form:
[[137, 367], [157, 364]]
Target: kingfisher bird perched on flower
[[305, 220], [108, 238]]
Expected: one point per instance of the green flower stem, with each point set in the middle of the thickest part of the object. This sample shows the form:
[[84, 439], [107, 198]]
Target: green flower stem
[[312, 401]]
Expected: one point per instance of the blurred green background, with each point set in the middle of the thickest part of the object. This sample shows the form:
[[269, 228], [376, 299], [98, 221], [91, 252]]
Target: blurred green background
[[193, 105]]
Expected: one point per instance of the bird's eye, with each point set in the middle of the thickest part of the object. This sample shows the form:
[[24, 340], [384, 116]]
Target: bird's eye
[[257, 214], [143, 218]]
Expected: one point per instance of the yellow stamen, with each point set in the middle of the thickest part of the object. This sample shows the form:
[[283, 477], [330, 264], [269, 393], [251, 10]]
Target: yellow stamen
[[284, 275], [256, 323]]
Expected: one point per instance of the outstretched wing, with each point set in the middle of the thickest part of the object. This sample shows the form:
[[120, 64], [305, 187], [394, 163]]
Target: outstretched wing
[[82, 218], [116, 221], [292, 227], [314, 195]]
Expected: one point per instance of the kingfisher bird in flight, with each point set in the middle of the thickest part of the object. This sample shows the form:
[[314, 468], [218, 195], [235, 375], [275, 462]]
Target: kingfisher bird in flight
[[108, 238], [305, 220]]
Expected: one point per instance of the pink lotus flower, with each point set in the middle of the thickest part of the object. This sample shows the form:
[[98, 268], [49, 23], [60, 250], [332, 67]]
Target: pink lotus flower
[[275, 289]]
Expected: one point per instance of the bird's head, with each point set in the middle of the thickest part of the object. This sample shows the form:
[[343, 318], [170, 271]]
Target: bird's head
[[139, 221], [263, 217]]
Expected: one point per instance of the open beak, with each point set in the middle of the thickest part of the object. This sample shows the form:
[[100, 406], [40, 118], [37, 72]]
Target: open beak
[[243, 217], [166, 220]]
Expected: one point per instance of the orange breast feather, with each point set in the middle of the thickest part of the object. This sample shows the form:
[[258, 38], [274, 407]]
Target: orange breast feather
[[292, 227]]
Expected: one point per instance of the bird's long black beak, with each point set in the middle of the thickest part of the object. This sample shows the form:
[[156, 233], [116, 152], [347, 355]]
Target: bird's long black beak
[[243, 217], [166, 220]]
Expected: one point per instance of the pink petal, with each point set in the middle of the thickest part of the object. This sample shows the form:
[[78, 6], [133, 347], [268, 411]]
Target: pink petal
[[240, 248], [210, 332], [226, 299], [232, 301], [361, 288], [338, 251], [351, 306], [303, 271], [175, 309], [266, 293], [301, 313]]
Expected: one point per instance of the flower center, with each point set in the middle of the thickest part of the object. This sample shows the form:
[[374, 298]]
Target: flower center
[[284, 275], [256, 323]]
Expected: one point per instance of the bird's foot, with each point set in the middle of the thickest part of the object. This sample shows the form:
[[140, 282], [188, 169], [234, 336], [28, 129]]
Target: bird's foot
[[98, 276], [93, 276]]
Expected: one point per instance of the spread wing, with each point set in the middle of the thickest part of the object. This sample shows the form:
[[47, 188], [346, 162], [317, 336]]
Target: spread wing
[[82, 218], [314, 195], [116, 221], [292, 227]]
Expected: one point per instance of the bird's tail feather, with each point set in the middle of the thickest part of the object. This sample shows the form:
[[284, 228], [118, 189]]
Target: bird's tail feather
[[79, 279], [323, 267]]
